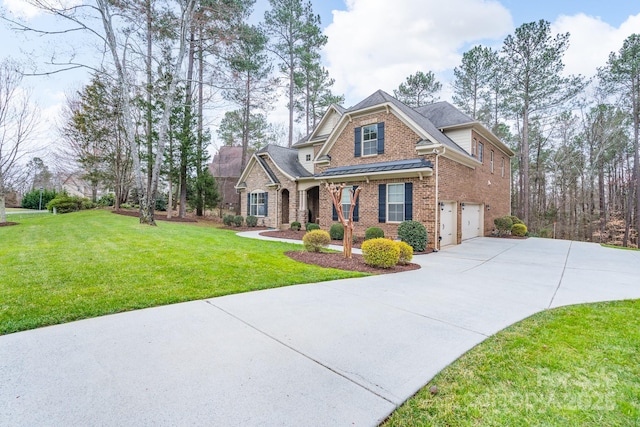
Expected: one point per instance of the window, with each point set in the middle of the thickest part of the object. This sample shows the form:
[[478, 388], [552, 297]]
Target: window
[[370, 140], [502, 167], [491, 160], [395, 202], [257, 204], [308, 158], [480, 152], [346, 201]]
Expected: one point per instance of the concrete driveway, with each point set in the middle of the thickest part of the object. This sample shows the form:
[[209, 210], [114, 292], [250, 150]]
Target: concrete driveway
[[339, 353]]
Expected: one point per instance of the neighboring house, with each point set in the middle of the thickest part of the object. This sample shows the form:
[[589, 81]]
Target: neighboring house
[[74, 185], [431, 164], [226, 168]]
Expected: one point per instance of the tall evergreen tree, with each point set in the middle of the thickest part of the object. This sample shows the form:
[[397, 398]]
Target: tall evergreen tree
[[535, 84], [295, 32], [471, 79], [418, 89], [622, 73]]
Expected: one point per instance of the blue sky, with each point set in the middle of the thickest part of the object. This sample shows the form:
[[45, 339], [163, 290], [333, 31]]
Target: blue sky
[[375, 44]]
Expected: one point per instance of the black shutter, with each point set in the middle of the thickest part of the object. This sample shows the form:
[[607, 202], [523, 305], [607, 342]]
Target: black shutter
[[382, 202], [356, 210], [381, 138], [266, 204], [408, 201], [357, 142], [334, 214], [248, 204]]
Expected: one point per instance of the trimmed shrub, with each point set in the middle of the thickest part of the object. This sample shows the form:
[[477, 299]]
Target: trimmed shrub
[[31, 200], [315, 240], [515, 219], [413, 233], [238, 220], [252, 221], [227, 220], [503, 224], [519, 230], [373, 233], [312, 226], [88, 204], [295, 226], [336, 232], [406, 253], [125, 206], [65, 203], [107, 200], [380, 252]]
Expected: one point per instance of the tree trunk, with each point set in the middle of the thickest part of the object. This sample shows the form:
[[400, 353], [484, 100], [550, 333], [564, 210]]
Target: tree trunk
[[291, 84], [524, 167], [149, 117], [200, 149], [3, 211], [186, 128]]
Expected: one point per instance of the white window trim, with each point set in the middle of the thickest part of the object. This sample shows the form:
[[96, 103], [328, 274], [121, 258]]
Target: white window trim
[[491, 154], [395, 203], [346, 194], [480, 149], [502, 167], [257, 205], [374, 141]]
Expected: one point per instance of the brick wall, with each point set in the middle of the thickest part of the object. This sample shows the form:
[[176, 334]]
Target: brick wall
[[257, 180]]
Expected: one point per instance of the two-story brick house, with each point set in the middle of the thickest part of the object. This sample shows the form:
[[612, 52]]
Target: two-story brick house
[[431, 164]]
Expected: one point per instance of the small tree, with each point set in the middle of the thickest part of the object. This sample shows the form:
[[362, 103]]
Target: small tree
[[335, 191]]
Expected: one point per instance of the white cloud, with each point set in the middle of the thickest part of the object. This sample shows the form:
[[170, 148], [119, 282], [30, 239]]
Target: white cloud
[[21, 8], [591, 40], [376, 44]]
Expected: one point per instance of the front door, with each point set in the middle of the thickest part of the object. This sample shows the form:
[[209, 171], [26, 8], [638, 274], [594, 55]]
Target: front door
[[285, 206]]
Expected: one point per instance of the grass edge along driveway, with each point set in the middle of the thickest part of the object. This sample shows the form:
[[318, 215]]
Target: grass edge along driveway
[[570, 366], [56, 269]]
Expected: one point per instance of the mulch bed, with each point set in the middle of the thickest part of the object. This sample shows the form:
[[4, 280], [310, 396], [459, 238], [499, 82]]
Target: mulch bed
[[298, 235], [338, 261], [8, 223]]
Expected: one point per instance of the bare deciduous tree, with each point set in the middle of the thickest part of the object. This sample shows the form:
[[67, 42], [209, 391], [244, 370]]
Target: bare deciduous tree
[[335, 191], [17, 127]]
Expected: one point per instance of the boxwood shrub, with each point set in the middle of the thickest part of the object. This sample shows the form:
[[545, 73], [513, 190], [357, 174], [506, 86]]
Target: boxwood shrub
[[413, 233], [63, 203], [252, 221], [406, 253], [295, 226], [336, 232], [380, 252], [227, 220], [373, 233], [503, 224], [519, 230], [238, 220], [315, 240], [312, 226]]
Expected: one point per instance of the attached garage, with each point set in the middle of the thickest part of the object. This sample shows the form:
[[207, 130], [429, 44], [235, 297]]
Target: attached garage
[[471, 220], [447, 223]]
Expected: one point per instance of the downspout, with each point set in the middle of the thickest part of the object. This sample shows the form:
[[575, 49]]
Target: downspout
[[437, 206]]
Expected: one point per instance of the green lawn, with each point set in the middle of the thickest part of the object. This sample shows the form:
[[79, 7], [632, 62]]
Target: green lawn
[[572, 366], [56, 269]]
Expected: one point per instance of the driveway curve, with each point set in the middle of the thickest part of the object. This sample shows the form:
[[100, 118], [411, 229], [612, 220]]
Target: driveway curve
[[338, 353]]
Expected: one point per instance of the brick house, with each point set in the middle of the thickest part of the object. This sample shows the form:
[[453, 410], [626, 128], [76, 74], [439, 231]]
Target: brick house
[[431, 164], [226, 168]]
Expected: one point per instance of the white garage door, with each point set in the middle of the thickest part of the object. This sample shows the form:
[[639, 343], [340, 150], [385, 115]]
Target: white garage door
[[447, 224], [471, 221]]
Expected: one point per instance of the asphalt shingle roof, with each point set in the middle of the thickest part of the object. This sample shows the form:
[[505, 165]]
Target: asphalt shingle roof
[[377, 167], [442, 114], [286, 159]]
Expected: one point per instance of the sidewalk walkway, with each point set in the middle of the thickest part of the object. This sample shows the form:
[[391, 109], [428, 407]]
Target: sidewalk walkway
[[338, 353]]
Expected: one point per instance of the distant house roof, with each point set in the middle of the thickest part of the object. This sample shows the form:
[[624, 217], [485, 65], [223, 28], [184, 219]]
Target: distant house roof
[[399, 165], [286, 159], [227, 162]]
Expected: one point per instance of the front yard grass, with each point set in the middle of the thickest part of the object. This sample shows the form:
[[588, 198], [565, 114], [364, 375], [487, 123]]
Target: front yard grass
[[55, 269], [572, 366]]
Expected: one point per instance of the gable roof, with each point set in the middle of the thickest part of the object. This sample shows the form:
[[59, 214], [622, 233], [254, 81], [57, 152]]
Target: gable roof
[[286, 159], [421, 124], [314, 137]]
